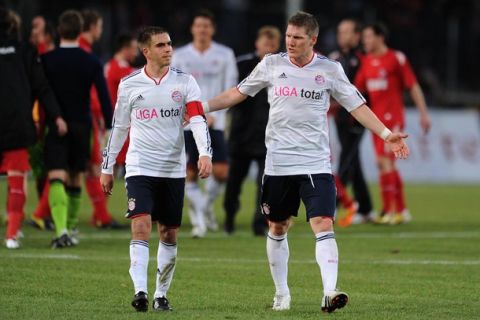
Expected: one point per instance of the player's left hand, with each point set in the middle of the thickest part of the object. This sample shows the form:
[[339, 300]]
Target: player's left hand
[[62, 127], [204, 166], [425, 123], [397, 144], [106, 180]]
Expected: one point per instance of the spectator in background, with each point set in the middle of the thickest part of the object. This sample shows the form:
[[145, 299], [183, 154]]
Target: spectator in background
[[246, 142], [384, 74], [349, 130], [214, 67], [71, 72], [22, 80], [101, 217], [126, 50]]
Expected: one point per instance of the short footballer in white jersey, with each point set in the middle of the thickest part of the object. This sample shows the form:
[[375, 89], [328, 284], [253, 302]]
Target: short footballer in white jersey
[[297, 131], [215, 71], [153, 109]]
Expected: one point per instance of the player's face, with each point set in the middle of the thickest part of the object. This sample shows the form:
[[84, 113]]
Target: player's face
[[202, 29], [131, 51], [38, 29], [346, 36], [97, 30], [266, 45], [298, 42], [160, 49], [370, 40]]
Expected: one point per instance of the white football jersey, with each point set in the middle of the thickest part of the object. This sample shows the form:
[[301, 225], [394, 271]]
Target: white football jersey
[[297, 131], [153, 110], [215, 71]]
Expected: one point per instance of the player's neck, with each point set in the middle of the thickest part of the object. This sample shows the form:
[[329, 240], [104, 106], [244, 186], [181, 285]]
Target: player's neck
[[88, 37], [155, 70], [119, 56], [380, 51], [301, 61], [202, 46], [69, 43]]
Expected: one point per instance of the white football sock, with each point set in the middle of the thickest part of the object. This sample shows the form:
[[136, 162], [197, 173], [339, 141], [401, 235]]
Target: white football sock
[[213, 188], [197, 201], [139, 264], [278, 253], [326, 254], [166, 258]]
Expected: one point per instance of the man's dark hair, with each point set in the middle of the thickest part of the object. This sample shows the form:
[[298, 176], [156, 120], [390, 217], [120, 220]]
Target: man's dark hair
[[204, 13], [50, 29], [123, 40], [146, 33], [379, 28], [90, 18], [70, 24], [357, 25], [306, 20]]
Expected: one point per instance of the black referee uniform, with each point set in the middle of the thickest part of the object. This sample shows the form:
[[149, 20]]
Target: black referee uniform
[[246, 143]]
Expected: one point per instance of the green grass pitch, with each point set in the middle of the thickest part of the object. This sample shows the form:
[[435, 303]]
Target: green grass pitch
[[428, 269]]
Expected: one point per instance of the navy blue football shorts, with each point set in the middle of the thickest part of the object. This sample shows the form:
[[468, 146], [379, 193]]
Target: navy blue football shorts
[[162, 198], [281, 196]]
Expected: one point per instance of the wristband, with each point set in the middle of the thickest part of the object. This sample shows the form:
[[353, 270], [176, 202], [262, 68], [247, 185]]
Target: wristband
[[206, 107], [385, 133]]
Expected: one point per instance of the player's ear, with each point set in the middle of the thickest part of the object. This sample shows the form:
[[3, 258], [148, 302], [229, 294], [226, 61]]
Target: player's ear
[[314, 40]]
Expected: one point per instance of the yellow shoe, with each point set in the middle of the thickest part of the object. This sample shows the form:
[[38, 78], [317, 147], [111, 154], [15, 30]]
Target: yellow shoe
[[387, 218], [402, 217], [37, 223]]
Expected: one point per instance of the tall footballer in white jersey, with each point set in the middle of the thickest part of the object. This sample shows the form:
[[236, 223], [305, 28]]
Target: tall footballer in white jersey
[[297, 168], [152, 103], [214, 67]]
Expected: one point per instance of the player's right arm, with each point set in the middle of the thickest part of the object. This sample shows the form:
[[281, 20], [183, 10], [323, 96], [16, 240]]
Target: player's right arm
[[118, 135], [250, 86]]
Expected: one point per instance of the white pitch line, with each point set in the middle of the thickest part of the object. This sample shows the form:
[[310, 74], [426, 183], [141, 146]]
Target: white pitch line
[[244, 234], [16, 255]]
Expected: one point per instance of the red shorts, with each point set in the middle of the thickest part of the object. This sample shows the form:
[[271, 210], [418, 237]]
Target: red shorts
[[381, 148], [95, 152], [14, 160]]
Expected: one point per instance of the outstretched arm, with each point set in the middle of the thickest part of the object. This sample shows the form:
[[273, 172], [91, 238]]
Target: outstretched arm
[[369, 120], [419, 100], [224, 100]]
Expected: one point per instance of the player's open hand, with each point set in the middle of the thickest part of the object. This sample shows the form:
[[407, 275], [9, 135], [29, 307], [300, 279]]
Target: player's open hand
[[397, 144], [106, 180], [204, 166]]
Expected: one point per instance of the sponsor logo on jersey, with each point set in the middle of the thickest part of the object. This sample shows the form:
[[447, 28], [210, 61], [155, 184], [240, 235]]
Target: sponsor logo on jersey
[[286, 91], [320, 80], [139, 98], [177, 96], [155, 113], [282, 76]]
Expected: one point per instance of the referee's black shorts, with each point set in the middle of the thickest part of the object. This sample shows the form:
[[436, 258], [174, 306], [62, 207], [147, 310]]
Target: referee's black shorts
[[162, 198], [69, 152]]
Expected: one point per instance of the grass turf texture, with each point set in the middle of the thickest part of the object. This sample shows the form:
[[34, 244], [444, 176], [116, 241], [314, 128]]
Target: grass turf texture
[[428, 269]]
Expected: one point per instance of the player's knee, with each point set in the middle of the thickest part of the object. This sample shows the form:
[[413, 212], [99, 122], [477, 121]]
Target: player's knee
[[141, 228], [168, 235], [321, 224], [278, 228]]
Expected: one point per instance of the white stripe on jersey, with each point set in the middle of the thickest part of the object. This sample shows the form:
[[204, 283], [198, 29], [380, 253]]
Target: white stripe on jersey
[[215, 71], [297, 130], [153, 111]]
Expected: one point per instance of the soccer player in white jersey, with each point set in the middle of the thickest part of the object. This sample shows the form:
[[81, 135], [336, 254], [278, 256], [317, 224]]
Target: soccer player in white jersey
[[151, 103], [214, 67], [297, 167]]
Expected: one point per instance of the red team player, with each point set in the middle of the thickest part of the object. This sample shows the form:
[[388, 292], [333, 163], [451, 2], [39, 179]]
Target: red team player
[[118, 67], [384, 74]]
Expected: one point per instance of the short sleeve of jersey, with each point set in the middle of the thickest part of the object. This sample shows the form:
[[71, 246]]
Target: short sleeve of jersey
[[193, 90], [406, 72], [256, 80], [344, 92]]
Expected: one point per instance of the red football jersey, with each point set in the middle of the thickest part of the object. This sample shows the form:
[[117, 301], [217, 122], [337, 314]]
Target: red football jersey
[[114, 72], [385, 78]]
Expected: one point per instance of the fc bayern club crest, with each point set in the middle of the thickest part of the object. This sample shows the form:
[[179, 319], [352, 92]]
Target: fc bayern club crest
[[265, 208], [177, 96], [131, 204], [319, 79]]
